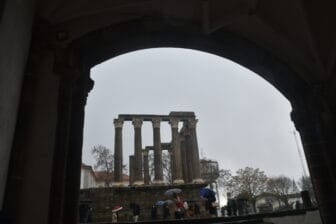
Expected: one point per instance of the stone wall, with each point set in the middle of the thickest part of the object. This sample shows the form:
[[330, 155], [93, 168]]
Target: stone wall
[[104, 199]]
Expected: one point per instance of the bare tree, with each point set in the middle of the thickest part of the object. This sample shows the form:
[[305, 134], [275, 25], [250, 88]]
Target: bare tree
[[282, 186], [224, 178], [224, 182], [249, 181], [104, 161], [166, 165], [306, 184]]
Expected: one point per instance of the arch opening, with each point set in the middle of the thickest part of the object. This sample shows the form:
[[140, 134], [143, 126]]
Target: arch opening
[[133, 91]]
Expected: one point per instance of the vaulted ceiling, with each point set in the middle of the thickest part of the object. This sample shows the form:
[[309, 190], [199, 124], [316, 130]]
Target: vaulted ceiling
[[299, 33]]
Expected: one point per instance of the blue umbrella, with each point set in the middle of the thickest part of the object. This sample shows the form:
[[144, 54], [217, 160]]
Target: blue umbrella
[[207, 193], [159, 203]]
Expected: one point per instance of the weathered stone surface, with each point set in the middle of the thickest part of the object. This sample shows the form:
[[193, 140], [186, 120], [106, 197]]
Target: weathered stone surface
[[103, 200]]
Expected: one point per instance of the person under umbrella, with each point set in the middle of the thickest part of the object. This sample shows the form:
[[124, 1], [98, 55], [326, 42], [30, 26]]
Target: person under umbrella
[[173, 192], [136, 211], [210, 197], [160, 203], [154, 212], [166, 211], [115, 213]]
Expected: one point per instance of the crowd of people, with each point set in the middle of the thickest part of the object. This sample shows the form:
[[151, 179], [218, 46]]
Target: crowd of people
[[176, 208]]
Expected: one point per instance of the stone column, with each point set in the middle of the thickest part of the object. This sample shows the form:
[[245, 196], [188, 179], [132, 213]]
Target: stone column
[[189, 154], [138, 177], [146, 167], [195, 154], [131, 170], [74, 154], [318, 138], [184, 158], [158, 169], [118, 153], [176, 153]]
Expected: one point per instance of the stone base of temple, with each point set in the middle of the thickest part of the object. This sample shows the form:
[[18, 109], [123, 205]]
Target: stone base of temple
[[198, 181], [118, 184], [138, 183], [103, 199], [158, 182], [178, 182]]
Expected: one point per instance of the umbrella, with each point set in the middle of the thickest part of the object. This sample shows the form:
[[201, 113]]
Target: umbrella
[[207, 193], [159, 203], [169, 202], [117, 208], [172, 191]]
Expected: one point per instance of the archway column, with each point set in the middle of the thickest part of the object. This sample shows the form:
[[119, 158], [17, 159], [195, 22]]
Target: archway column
[[42, 141], [80, 91], [316, 126]]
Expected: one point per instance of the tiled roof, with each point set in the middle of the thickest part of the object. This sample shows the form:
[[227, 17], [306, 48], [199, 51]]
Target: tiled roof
[[103, 176]]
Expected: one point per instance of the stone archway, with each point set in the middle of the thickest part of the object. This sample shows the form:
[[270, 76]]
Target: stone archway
[[102, 45], [72, 65]]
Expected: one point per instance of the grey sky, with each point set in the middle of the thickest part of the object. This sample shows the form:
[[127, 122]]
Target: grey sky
[[243, 120]]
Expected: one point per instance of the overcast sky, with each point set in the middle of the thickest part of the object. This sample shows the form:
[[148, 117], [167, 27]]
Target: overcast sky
[[243, 120]]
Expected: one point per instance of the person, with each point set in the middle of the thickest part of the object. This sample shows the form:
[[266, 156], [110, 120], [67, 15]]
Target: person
[[180, 211], [240, 206], [297, 204], [210, 206], [185, 205], [232, 207], [154, 212], [229, 208], [223, 211], [191, 210], [114, 217], [166, 211], [197, 210], [85, 213], [136, 211], [89, 217]]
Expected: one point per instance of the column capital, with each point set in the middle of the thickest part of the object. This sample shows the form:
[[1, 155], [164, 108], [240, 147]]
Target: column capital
[[174, 122], [192, 123], [118, 123], [156, 122], [137, 122]]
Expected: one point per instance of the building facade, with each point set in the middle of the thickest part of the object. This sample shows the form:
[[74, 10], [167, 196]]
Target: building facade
[[96, 179]]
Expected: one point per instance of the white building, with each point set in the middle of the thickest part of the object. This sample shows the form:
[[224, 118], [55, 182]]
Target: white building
[[88, 177], [94, 179]]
